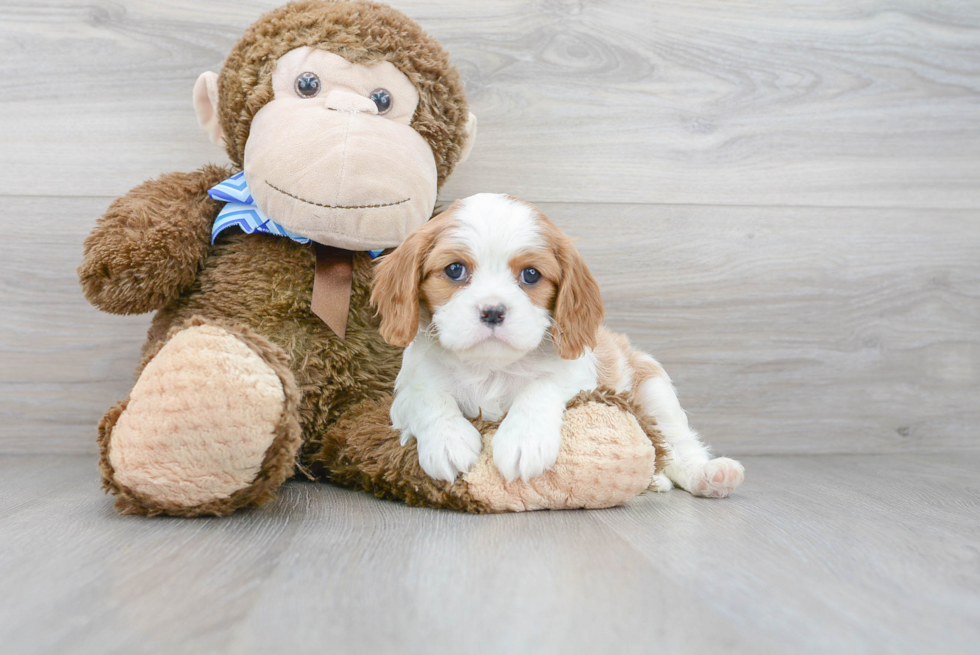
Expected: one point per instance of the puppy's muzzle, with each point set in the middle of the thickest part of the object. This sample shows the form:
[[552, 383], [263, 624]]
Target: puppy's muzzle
[[493, 316]]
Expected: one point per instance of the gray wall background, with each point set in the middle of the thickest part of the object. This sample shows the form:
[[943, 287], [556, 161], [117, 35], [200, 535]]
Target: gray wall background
[[779, 199]]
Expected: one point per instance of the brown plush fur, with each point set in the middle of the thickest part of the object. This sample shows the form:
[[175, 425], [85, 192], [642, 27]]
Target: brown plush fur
[[362, 451], [265, 283], [147, 248], [360, 32]]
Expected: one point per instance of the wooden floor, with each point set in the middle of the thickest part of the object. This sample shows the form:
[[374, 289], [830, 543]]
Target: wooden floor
[[815, 554]]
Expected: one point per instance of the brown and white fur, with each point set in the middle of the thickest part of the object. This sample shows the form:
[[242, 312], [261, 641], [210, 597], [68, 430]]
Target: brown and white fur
[[493, 344]]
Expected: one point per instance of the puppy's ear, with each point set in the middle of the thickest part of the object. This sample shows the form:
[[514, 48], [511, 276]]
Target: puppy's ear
[[578, 309], [397, 279], [396, 290]]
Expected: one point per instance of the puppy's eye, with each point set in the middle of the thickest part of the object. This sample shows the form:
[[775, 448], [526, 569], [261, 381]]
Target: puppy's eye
[[455, 271], [307, 85], [530, 276], [382, 99]]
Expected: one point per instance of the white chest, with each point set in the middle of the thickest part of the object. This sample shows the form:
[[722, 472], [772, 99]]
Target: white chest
[[489, 395]]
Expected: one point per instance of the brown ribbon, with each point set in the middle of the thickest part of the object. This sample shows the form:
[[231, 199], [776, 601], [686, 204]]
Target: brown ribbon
[[332, 287]]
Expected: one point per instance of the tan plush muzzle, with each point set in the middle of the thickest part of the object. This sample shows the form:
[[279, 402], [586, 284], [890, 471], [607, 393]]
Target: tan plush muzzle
[[331, 166]]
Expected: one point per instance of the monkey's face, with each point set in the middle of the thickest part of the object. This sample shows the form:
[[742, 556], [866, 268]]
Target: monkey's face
[[333, 156]]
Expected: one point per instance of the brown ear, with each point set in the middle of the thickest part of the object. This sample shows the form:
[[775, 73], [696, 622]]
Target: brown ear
[[397, 280], [578, 309], [396, 290]]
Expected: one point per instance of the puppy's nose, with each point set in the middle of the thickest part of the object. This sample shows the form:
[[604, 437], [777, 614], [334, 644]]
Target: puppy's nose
[[493, 316]]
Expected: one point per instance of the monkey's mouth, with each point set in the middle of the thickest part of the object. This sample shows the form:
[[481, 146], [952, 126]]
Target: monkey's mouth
[[320, 204]]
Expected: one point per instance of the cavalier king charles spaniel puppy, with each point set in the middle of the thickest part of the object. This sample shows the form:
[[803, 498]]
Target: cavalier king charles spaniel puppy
[[503, 319]]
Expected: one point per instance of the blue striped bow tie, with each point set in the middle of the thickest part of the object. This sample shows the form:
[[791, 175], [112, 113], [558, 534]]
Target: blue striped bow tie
[[240, 210]]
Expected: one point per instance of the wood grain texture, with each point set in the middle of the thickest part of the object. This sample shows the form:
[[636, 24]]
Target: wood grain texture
[[819, 554], [786, 330], [829, 103], [800, 330], [62, 363]]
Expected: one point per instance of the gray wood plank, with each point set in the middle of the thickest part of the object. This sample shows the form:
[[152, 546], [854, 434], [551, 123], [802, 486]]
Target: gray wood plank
[[786, 330], [84, 571], [884, 549], [800, 330], [29, 479], [818, 554], [720, 102], [543, 583], [62, 363]]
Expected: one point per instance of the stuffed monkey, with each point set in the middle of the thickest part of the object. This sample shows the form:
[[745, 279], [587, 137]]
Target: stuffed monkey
[[341, 120]]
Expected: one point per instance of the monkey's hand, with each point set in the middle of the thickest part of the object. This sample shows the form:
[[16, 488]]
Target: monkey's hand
[[149, 245]]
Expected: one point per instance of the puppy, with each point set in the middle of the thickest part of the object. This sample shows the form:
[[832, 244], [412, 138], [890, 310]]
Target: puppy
[[503, 319]]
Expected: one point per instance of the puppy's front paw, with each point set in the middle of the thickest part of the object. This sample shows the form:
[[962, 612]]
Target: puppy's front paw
[[719, 477], [660, 483], [525, 447], [449, 448]]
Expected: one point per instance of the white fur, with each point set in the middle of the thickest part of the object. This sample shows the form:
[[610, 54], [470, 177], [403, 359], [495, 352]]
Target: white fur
[[691, 467], [458, 367], [492, 228]]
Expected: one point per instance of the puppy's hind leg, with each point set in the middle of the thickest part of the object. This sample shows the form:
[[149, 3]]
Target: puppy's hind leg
[[691, 467]]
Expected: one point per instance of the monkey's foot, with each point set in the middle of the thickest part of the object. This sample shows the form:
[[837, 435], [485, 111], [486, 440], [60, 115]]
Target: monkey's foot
[[606, 458], [210, 426]]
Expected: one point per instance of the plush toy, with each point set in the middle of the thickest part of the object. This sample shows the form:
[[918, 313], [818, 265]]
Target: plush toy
[[342, 120]]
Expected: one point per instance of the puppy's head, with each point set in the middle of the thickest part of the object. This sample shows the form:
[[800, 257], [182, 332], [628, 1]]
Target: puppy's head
[[491, 277]]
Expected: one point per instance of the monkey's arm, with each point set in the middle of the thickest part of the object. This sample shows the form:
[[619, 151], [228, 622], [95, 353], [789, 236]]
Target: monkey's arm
[[147, 247]]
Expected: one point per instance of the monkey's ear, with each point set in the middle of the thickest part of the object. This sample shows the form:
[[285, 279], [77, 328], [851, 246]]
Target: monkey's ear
[[464, 152], [206, 106]]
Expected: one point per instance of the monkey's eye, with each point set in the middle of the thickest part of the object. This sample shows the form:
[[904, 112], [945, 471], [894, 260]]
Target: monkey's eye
[[455, 271], [382, 99], [530, 276], [307, 85]]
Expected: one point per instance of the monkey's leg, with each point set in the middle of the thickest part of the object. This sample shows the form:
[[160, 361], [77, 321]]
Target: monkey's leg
[[607, 457], [210, 426]]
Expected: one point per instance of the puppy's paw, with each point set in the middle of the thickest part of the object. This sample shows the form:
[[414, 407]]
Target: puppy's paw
[[718, 478], [448, 448], [525, 447], [660, 483]]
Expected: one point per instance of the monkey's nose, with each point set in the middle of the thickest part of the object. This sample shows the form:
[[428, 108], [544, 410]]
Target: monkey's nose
[[493, 316], [347, 101]]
